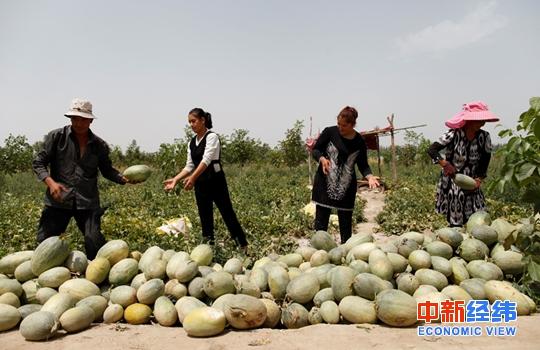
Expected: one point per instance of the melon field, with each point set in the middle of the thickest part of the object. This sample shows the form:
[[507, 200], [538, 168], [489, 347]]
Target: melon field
[[151, 286]]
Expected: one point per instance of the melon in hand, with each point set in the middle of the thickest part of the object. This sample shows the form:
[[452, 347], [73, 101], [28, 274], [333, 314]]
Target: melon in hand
[[137, 173]]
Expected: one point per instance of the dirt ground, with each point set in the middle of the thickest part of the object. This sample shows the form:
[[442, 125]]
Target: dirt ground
[[127, 337]]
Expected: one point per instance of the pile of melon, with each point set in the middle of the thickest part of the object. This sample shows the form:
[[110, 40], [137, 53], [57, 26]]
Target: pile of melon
[[54, 289]]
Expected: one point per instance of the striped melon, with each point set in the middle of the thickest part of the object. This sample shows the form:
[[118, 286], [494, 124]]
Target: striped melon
[[50, 253]]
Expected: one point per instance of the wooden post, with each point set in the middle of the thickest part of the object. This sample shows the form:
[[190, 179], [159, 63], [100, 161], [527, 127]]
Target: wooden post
[[378, 155], [309, 155], [393, 145]]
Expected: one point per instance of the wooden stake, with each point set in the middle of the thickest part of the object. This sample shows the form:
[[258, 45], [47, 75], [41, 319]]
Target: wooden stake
[[310, 178], [393, 145]]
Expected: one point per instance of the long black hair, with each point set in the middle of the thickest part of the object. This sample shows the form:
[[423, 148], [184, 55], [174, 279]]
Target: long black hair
[[200, 113]]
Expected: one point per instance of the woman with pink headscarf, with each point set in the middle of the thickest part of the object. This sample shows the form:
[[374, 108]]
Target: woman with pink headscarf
[[467, 151]]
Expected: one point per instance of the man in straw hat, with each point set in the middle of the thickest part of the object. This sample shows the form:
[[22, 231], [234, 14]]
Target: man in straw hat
[[68, 164], [467, 151]]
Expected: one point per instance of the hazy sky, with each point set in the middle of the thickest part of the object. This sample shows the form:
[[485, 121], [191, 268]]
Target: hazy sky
[[261, 65]]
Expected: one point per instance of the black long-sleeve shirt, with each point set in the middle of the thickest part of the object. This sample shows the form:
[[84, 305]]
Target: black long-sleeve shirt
[[59, 159], [338, 188]]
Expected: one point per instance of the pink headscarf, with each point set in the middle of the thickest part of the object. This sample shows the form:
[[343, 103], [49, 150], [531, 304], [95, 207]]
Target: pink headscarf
[[477, 110]]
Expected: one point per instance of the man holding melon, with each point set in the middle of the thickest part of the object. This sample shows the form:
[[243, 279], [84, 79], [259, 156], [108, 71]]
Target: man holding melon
[[68, 164], [467, 155]]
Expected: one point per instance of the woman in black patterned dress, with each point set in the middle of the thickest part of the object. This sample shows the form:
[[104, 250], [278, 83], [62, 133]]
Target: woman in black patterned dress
[[467, 151], [338, 149]]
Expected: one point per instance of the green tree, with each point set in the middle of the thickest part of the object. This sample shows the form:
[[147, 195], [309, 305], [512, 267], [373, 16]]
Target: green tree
[[241, 149], [521, 167], [133, 153], [292, 147], [116, 155], [521, 156], [16, 155]]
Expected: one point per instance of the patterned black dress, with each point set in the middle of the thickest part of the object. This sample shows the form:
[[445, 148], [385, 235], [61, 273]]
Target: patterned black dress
[[469, 157], [338, 188]]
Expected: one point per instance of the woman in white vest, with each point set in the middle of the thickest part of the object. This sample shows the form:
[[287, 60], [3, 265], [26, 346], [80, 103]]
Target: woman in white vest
[[204, 173]]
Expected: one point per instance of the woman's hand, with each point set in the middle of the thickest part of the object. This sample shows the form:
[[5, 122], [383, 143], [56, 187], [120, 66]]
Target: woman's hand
[[373, 181], [448, 168], [169, 184], [478, 182], [325, 163], [189, 183]]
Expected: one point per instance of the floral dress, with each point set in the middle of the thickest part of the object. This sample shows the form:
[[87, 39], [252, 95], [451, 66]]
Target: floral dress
[[469, 157]]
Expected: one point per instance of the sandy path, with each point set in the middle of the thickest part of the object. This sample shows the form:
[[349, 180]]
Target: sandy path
[[126, 337]]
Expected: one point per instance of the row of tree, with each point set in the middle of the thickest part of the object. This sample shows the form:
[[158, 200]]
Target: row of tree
[[17, 153], [237, 148]]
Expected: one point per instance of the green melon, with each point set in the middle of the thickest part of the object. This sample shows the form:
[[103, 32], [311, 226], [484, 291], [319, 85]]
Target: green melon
[[123, 271], [465, 182], [322, 296], [357, 310], [475, 288], [9, 317], [294, 316], [98, 270], [123, 296], [10, 299], [165, 312], [77, 318], [323, 240], [9, 263], [23, 272], [113, 313], [303, 288], [407, 282], [205, 322], [314, 316], [40, 325], [79, 288], [202, 254], [114, 251], [218, 283], [50, 253], [245, 312], [138, 173], [396, 308], [330, 312], [510, 262], [438, 263], [97, 303], [54, 277], [150, 291], [76, 262]]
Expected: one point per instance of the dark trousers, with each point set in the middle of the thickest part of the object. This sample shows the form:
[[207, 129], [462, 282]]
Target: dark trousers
[[54, 222], [211, 191], [322, 216]]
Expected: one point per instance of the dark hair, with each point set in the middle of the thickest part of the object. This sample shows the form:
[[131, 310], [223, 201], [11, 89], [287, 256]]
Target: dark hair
[[349, 114], [199, 113]]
